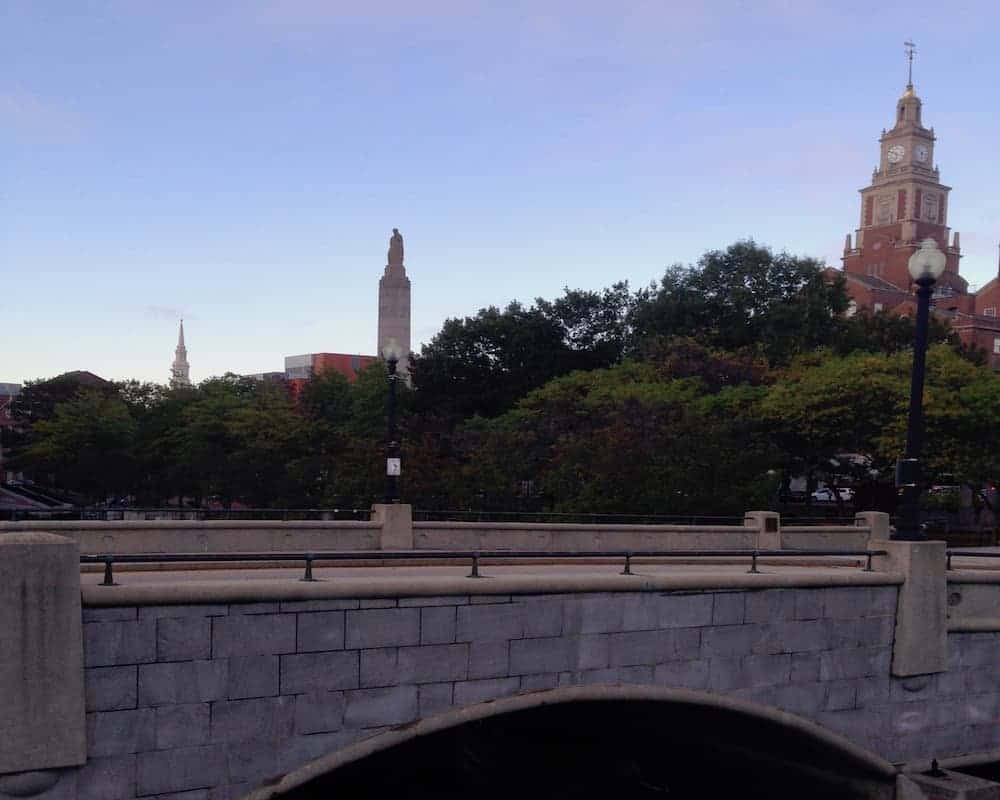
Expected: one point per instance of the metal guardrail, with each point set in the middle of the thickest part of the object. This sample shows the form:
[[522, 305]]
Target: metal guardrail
[[968, 554], [474, 557]]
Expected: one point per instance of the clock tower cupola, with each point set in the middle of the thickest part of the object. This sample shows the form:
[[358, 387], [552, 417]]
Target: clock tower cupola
[[905, 202]]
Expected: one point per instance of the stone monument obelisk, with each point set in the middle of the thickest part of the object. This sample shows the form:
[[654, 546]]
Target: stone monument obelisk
[[394, 304]]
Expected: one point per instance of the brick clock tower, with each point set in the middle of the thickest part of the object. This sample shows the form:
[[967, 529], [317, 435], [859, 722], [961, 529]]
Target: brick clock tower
[[904, 204]]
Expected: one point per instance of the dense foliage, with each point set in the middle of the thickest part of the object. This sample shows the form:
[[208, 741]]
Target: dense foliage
[[697, 394]]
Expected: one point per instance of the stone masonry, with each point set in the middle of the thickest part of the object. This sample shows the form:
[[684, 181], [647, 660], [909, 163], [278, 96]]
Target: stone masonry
[[211, 701]]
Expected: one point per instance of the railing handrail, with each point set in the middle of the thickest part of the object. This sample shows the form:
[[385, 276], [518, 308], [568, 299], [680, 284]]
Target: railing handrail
[[473, 556]]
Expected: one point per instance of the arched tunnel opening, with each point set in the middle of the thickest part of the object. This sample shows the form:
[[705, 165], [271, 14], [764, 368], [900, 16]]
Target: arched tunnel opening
[[605, 749]]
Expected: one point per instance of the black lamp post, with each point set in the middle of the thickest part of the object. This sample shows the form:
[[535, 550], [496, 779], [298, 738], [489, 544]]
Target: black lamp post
[[926, 266], [392, 460]]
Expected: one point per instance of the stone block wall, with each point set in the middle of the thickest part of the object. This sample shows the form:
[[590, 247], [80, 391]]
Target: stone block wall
[[210, 701]]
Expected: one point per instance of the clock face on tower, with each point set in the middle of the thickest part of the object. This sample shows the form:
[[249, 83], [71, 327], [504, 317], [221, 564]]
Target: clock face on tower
[[896, 153], [921, 153]]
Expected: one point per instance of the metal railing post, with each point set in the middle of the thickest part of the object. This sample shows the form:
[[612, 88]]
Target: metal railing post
[[109, 578]]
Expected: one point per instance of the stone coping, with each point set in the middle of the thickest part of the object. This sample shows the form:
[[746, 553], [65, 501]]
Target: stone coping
[[55, 526], [983, 574], [250, 591], [956, 762], [974, 625], [826, 529], [867, 761], [583, 526]]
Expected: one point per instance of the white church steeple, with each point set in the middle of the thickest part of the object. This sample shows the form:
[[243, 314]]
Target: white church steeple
[[180, 369]]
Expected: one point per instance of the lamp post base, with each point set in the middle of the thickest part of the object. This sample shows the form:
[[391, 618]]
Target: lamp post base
[[908, 482]]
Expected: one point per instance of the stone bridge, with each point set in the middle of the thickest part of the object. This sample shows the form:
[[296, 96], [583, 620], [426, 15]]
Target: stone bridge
[[820, 676]]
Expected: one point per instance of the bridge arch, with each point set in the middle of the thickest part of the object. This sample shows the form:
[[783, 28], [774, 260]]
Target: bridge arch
[[648, 737]]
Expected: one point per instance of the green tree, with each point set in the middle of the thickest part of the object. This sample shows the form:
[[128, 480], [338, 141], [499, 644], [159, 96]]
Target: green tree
[[595, 325], [746, 296], [823, 407], [164, 475], [327, 397], [622, 440], [86, 446], [685, 357], [886, 333], [482, 364], [271, 458], [202, 445]]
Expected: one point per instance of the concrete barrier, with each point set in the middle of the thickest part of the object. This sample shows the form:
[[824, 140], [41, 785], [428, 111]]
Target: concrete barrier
[[208, 536], [576, 538], [825, 537], [42, 725], [392, 528], [973, 600]]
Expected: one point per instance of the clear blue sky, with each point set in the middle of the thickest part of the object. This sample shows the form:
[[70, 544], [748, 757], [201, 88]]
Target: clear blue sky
[[243, 163]]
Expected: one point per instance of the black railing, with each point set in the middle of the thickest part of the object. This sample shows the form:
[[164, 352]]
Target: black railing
[[473, 557]]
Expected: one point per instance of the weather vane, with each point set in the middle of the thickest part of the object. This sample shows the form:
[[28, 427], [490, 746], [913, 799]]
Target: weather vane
[[910, 49]]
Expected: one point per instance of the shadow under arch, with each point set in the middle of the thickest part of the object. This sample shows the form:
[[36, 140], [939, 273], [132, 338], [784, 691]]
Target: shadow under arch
[[599, 741]]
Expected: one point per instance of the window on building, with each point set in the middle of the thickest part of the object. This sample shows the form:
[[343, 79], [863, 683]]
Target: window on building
[[883, 214], [852, 309], [990, 312], [877, 307], [996, 346]]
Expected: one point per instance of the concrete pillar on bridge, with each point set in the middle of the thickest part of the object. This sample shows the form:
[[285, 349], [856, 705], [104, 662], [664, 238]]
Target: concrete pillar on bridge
[[396, 520], [42, 725], [920, 645], [768, 525], [876, 521]]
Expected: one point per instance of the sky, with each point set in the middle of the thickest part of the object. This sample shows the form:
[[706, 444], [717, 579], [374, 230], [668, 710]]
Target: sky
[[241, 163]]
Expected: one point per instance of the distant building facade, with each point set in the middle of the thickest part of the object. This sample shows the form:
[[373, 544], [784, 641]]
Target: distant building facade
[[904, 204], [301, 368]]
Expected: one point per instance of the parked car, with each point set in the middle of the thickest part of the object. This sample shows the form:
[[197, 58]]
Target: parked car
[[826, 494]]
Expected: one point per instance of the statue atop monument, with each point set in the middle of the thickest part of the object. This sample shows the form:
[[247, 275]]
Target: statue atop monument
[[394, 303], [396, 249]]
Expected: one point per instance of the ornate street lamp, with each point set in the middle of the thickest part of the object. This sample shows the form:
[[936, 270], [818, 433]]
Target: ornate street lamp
[[926, 266], [392, 354]]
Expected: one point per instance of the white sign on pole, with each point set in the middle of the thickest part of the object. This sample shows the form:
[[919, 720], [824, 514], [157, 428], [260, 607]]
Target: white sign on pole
[[392, 466]]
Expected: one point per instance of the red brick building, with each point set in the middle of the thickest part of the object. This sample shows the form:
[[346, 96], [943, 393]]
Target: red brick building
[[904, 204], [304, 367], [298, 369]]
